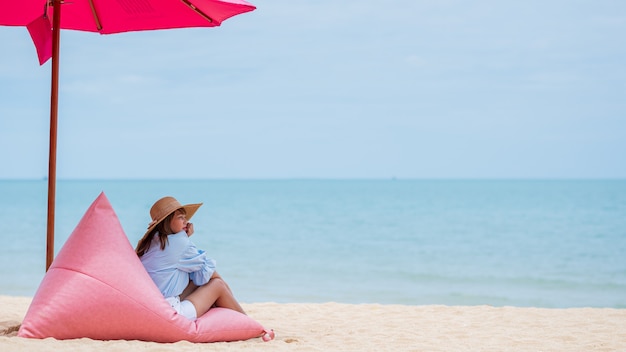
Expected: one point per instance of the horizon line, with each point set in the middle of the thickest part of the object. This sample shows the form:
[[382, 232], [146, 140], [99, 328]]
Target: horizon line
[[392, 178]]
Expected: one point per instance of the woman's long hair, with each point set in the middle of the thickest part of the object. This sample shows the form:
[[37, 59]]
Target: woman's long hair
[[163, 229]]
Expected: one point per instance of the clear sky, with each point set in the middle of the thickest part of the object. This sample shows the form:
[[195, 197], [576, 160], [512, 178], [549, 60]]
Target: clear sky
[[332, 89]]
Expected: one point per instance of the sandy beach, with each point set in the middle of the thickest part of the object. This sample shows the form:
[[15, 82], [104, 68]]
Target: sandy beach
[[373, 327]]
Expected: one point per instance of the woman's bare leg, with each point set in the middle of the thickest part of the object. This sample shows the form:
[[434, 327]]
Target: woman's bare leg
[[217, 292], [188, 290]]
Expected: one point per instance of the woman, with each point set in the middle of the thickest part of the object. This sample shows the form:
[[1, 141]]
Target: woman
[[183, 273]]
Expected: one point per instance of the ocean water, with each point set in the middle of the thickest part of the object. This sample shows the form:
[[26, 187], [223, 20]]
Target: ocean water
[[552, 243]]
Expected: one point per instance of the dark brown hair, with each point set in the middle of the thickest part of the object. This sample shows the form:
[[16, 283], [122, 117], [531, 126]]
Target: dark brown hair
[[163, 228]]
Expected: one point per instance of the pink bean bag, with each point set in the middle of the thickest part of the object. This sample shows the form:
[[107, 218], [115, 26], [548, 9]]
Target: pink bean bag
[[97, 288]]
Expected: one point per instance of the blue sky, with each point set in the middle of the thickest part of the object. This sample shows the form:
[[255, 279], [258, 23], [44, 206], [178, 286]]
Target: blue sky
[[328, 89]]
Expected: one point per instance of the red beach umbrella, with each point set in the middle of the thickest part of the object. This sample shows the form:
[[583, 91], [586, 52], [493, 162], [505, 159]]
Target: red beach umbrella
[[104, 17]]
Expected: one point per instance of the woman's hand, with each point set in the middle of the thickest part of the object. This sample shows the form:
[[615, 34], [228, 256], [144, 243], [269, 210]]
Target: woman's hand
[[189, 229]]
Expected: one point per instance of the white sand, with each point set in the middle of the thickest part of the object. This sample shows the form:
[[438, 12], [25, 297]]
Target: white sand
[[373, 327]]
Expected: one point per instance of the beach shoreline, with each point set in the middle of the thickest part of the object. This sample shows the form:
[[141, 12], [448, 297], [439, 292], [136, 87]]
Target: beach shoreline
[[367, 327]]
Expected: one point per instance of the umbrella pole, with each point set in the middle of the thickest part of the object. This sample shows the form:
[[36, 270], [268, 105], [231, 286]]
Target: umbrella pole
[[52, 159]]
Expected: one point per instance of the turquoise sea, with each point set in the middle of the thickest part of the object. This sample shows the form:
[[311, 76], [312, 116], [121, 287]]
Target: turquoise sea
[[542, 243]]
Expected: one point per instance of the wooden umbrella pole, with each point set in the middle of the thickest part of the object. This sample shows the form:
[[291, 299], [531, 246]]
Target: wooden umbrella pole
[[52, 159]]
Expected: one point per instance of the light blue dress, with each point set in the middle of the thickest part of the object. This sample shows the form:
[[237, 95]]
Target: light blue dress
[[172, 268]]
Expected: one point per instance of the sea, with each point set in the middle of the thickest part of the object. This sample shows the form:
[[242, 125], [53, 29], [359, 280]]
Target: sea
[[525, 243]]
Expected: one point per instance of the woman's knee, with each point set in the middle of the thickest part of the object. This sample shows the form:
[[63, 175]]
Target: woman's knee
[[218, 284]]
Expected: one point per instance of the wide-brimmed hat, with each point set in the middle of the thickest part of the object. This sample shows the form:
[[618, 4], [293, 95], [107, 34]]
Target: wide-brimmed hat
[[164, 207]]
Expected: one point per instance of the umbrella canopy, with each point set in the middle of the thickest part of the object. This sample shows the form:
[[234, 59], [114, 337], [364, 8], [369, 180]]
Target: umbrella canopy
[[104, 17]]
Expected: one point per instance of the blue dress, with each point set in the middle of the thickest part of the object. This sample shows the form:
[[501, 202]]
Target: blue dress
[[180, 261]]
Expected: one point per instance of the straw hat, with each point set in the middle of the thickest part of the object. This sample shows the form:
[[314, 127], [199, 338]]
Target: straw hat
[[164, 207]]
